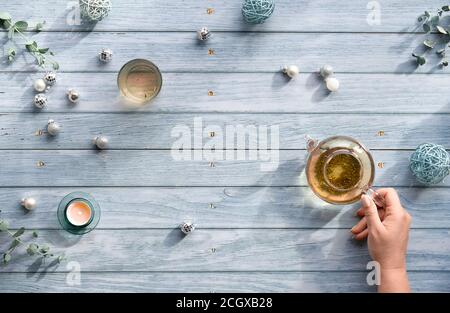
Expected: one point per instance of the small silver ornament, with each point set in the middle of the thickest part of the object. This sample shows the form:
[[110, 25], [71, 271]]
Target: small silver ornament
[[73, 95], [187, 227], [28, 203], [101, 142], [50, 78], [53, 128], [291, 70], [326, 71], [40, 100], [203, 34], [105, 55], [39, 85]]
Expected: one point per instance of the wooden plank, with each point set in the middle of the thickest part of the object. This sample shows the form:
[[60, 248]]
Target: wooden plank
[[216, 207], [176, 15], [212, 282], [36, 168], [240, 92], [227, 250], [236, 52], [166, 131]]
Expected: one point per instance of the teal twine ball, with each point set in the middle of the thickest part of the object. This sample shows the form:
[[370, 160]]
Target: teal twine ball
[[94, 10], [430, 163], [257, 11]]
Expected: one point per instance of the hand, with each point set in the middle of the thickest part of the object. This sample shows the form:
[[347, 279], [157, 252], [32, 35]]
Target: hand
[[387, 230]]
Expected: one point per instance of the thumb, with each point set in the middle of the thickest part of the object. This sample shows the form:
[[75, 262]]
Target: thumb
[[371, 213]]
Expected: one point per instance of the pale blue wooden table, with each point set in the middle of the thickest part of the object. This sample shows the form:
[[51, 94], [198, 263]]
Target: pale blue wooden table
[[257, 231]]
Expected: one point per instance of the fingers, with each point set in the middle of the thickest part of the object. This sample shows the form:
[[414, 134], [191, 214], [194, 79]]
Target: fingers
[[362, 235], [360, 226], [371, 214], [390, 197]]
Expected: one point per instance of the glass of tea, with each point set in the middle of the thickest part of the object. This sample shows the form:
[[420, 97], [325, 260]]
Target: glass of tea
[[340, 169], [139, 81]]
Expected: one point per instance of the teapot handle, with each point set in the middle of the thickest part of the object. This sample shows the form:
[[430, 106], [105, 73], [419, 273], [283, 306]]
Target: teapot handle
[[376, 197], [311, 143]]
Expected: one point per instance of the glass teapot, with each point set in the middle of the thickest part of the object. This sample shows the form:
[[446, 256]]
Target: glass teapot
[[340, 169]]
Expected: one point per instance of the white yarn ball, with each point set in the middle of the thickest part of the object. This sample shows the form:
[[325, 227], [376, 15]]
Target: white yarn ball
[[94, 10]]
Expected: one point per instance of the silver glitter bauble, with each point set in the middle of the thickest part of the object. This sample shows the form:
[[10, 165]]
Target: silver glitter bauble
[[101, 142], [50, 78], [53, 128], [326, 71], [105, 55], [40, 100], [73, 96], [203, 34], [187, 227], [28, 203]]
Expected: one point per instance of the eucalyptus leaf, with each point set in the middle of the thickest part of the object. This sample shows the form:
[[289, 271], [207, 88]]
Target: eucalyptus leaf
[[434, 20], [11, 54], [14, 244], [427, 14], [6, 258], [4, 225], [5, 16], [43, 50], [444, 63], [446, 8], [426, 28], [441, 30], [429, 43], [441, 52], [21, 26], [44, 249], [35, 234], [420, 59], [19, 232], [31, 46]]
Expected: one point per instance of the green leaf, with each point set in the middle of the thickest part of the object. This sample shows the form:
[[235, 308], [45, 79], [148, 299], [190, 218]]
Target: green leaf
[[32, 249], [43, 50], [441, 30], [426, 28], [441, 52], [5, 16], [55, 66], [429, 43], [19, 232], [427, 14], [444, 63], [14, 244], [4, 225], [35, 234], [39, 26], [446, 8], [434, 20], [6, 258], [31, 46], [21, 26], [420, 59], [44, 249]]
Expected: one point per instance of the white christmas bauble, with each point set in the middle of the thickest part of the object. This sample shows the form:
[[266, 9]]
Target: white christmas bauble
[[53, 128], [39, 85], [101, 142], [326, 71], [332, 84], [73, 96], [291, 70], [50, 78], [105, 55], [28, 203]]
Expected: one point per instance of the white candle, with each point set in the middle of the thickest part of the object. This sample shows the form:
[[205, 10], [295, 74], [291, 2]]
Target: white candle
[[78, 213]]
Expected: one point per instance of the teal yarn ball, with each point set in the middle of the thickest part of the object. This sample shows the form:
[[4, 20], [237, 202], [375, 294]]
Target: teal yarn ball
[[257, 11], [430, 163]]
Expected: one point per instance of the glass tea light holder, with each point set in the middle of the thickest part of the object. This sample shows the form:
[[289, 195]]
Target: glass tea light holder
[[78, 213], [340, 170], [139, 82]]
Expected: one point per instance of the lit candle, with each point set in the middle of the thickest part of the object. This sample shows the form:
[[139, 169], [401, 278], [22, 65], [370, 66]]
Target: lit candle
[[79, 213]]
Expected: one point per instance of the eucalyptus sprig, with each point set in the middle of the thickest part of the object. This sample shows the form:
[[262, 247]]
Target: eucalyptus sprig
[[43, 56], [431, 23], [33, 249]]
